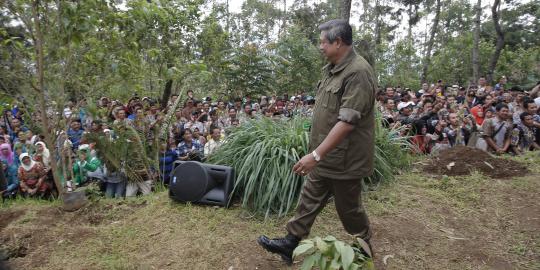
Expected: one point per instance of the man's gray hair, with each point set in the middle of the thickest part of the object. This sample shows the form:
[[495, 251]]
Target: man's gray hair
[[337, 29]]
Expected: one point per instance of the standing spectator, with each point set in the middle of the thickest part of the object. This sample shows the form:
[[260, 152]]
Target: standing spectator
[[496, 131]]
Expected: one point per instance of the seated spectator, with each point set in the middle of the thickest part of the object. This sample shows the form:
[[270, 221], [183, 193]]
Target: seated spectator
[[6, 155], [167, 157], [12, 181], [213, 143], [75, 133], [190, 149], [115, 182], [43, 154], [478, 113], [497, 131], [32, 176], [120, 118], [16, 127], [525, 135], [198, 137], [440, 136], [84, 165], [18, 150]]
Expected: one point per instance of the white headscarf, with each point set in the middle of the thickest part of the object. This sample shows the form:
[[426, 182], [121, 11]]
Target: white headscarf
[[24, 166], [45, 155]]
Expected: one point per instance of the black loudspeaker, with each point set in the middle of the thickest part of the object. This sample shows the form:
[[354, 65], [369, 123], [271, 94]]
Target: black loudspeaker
[[196, 182]]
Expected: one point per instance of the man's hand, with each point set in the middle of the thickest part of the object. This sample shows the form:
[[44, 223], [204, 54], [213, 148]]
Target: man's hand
[[305, 165]]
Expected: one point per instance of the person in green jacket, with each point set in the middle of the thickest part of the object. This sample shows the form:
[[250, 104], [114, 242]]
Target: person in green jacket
[[84, 164]]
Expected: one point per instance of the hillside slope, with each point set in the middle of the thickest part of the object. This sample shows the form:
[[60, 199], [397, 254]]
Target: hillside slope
[[420, 221]]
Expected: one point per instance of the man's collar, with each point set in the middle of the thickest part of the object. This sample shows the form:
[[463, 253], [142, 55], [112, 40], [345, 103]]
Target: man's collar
[[333, 69]]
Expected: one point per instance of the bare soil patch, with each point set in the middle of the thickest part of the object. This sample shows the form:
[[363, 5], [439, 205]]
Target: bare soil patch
[[462, 160], [9, 216]]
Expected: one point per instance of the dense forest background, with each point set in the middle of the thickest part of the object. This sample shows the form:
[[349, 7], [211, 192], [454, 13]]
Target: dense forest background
[[72, 49]]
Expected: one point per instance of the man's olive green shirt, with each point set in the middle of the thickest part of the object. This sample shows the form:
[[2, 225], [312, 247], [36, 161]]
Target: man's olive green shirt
[[346, 93]]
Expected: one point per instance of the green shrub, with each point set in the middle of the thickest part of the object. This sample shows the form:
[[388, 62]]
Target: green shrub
[[263, 152], [330, 253]]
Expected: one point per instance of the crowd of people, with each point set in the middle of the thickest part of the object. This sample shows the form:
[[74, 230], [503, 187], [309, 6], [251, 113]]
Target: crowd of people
[[496, 119], [436, 117]]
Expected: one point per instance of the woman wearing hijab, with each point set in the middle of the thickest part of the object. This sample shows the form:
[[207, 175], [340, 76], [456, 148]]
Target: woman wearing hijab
[[12, 182], [32, 177], [6, 154], [42, 154]]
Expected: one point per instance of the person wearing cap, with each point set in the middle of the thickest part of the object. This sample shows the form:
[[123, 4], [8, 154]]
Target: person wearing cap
[[344, 115], [405, 111]]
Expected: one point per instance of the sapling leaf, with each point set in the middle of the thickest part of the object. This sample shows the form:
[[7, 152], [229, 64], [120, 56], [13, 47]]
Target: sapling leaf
[[302, 249], [347, 256]]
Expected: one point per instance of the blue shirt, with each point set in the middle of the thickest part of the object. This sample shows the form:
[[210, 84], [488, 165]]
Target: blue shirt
[[11, 176], [184, 149], [75, 137]]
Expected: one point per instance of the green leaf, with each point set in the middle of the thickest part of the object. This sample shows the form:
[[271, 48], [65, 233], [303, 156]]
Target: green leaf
[[301, 249], [329, 238], [323, 263], [354, 266], [310, 261], [347, 256], [322, 246], [335, 264]]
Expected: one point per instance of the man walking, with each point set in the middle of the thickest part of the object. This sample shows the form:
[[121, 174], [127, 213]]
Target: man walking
[[341, 141]]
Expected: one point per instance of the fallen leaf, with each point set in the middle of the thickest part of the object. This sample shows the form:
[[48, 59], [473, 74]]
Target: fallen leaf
[[385, 258]]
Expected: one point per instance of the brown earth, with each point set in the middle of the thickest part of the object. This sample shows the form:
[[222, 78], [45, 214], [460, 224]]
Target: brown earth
[[463, 160], [418, 221]]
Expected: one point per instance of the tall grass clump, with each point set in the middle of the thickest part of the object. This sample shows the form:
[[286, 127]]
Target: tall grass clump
[[263, 152], [392, 153]]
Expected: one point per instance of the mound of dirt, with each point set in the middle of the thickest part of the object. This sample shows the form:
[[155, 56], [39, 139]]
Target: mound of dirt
[[462, 160]]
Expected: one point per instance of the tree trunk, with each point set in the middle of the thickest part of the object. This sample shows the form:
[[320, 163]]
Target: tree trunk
[[500, 41], [378, 34], [476, 41], [345, 10], [427, 56], [166, 93], [283, 18], [49, 140]]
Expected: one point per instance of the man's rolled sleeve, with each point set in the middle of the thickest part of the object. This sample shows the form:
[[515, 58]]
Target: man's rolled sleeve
[[355, 101]]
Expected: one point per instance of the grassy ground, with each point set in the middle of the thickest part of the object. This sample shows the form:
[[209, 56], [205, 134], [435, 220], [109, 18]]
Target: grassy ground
[[420, 221]]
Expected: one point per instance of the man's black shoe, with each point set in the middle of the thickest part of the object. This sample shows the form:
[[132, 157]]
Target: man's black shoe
[[282, 246]]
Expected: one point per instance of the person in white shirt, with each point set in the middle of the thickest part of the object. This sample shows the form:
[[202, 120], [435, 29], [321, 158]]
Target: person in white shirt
[[213, 143]]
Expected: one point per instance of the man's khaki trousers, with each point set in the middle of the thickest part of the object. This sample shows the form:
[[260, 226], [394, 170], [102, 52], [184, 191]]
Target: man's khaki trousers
[[347, 197]]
